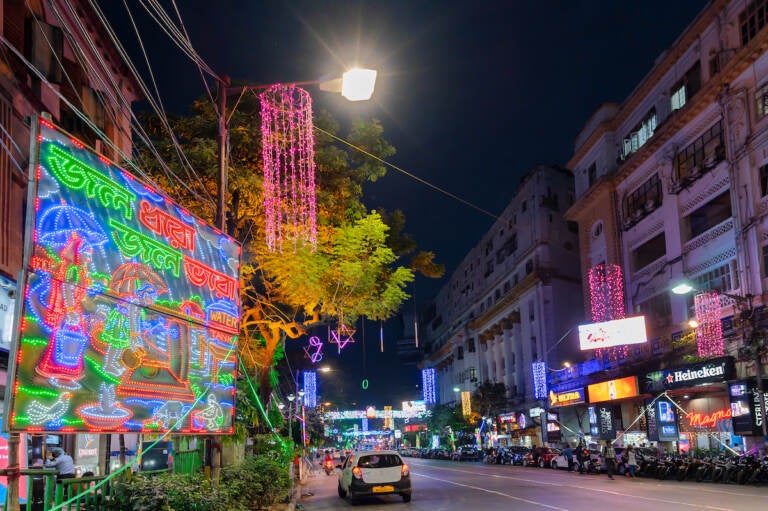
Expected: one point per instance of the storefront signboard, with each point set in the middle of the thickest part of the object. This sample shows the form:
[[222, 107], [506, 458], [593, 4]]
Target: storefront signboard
[[651, 421], [605, 426], [566, 397], [508, 418], [666, 418], [553, 427], [613, 389], [594, 430], [710, 371], [746, 413]]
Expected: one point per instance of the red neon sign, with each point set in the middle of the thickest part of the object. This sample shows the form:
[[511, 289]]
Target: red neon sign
[[698, 419]]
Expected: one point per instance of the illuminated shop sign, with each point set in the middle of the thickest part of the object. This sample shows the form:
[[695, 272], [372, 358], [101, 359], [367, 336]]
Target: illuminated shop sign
[[553, 427], [131, 305], [413, 408], [708, 420], [594, 430], [666, 420], [715, 370], [508, 418], [618, 332], [613, 389], [566, 397], [746, 412], [606, 428]]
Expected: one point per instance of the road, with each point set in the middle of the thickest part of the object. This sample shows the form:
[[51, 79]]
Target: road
[[448, 486]]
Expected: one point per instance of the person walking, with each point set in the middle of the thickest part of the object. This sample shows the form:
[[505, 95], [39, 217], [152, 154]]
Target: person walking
[[609, 455], [568, 453], [580, 457], [631, 461]]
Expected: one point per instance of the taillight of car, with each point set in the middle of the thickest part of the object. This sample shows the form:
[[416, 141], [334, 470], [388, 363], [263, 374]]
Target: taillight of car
[[404, 470], [357, 473]]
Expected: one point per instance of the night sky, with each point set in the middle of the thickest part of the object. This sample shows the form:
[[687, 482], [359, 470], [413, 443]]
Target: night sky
[[472, 95]]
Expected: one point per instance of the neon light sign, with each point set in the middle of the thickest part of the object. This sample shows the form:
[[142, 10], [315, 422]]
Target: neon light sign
[[131, 305], [317, 355], [698, 419]]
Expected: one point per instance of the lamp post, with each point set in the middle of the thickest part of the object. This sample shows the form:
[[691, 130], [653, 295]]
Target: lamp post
[[754, 345], [355, 85]]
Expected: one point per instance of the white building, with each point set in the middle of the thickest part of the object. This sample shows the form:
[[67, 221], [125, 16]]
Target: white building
[[673, 182], [512, 298]]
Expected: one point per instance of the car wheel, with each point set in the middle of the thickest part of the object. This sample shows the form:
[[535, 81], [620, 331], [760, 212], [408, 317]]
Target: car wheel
[[406, 497], [554, 464], [541, 463]]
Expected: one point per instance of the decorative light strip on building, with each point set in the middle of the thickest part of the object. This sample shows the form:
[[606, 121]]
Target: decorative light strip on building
[[606, 299], [310, 389], [539, 370], [709, 333], [364, 424], [466, 403], [428, 385], [288, 149]]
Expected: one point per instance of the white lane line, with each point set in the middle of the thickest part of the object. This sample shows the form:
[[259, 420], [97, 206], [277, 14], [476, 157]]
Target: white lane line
[[586, 488], [502, 494]]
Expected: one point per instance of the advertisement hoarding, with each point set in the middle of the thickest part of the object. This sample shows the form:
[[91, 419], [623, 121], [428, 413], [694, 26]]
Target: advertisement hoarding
[[414, 408], [746, 415], [666, 420], [617, 332], [710, 371], [131, 305], [553, 427], [613, 389], [605, 422], [566, 397]]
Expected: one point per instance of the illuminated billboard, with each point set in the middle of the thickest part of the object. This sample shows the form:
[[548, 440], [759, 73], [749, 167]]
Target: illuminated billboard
[[613, 389], [131, 305], [414, 408], [566, 397], [618, 332]]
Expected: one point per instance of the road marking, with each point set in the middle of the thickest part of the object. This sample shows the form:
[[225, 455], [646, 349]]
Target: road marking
[[493, 492], [580, 487]]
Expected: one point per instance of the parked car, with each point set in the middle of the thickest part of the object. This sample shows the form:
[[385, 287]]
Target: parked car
[[369, 473], [517, 453], [561, 461], [546, 454], [466, 453]]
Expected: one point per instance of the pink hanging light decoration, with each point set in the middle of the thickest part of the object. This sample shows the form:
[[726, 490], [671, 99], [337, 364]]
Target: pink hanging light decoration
[[709, 333], [606, 297], [288, 149]]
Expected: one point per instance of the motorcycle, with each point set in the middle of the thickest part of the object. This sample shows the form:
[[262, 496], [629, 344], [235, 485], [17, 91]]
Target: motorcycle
[[328, 467]]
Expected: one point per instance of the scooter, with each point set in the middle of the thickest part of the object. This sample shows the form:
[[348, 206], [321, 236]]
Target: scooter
[[328, 467]]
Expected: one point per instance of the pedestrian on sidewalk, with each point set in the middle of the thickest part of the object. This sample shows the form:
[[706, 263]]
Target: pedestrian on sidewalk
[[568, 453], [580, 457], [609, 455], [631, 461]]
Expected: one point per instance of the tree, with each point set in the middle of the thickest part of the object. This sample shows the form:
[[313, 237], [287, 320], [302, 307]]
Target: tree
[[354, 270], [489, 399]]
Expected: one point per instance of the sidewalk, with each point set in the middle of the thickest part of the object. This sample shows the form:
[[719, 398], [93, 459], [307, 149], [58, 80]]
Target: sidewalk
[[316, 485]]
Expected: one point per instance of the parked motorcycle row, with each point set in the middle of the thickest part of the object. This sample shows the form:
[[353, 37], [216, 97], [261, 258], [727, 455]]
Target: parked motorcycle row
[[720, 469]]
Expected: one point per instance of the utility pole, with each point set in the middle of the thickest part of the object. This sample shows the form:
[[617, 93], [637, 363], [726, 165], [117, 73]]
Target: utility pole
[[221, 210]]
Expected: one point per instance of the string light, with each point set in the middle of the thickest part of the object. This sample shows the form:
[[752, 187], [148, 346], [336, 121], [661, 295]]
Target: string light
[[709, 333], [289, 166], [428, 385], [539, 370], [317, 344], [606, 297], [310, 389]]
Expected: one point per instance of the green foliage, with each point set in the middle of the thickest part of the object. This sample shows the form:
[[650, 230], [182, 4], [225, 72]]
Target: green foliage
[[489, 399], [171, 492], [258, 482]]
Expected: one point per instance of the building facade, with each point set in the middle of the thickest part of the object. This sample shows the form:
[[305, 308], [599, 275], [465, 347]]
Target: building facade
[[59, 62], [511, 300], [672, 184]]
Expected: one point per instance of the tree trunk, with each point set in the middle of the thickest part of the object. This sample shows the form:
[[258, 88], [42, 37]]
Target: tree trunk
[[12, 497]]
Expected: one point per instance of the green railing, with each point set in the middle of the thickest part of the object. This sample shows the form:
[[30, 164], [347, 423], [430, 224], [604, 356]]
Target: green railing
[[188, 462], [82, 493]]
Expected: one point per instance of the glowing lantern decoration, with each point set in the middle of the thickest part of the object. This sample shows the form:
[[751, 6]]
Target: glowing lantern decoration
[[709, 333], [539, 370], [606, 297], [310, 389], [428, 385], [466, 403], [288, 149]]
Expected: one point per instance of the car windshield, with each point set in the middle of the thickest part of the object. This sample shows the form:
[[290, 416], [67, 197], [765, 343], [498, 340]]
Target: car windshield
[[379, 461]]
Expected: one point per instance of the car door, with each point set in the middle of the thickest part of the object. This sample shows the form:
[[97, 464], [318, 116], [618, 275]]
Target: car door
[[345, 474]]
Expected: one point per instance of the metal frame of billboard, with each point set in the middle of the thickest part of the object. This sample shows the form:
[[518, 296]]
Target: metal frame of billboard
[[130, 310]]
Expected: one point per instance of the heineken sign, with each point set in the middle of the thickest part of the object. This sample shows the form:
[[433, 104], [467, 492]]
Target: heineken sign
[[714, 370]]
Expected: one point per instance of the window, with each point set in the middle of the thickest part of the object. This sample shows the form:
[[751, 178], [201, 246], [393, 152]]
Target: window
[[644, 199], [531, 313], [488, 268], [506, 287], [44, 48], [513, 359], [685, 89], [723, 278], [649, 252], [380, 461], [524, 206], [472, 374], [471, 345], [573, 227], [640, 134], [764, 180], [529, 266], [761, 96], [497, 294], [701, 154], [657, 310], [752, 20], [709, 215], [489, 247], [460, 354], [592, 174], [597, 230]]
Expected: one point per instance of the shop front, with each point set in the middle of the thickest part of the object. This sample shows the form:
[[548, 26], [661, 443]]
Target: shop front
[[566, 412], [610, 402], [692, 410], [746, 412]]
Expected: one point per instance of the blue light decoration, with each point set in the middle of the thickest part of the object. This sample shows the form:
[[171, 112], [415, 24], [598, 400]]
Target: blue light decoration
[[364, 424], [428, 385], [539, 370], [310, 389], [131, 305]]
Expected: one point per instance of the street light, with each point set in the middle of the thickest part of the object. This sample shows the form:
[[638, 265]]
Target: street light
[[355, 85], [754, 345]]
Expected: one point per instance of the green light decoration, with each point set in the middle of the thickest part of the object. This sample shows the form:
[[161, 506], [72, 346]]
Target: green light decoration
[[132, 243], [35, 341], [364, 385], [96, 367], [78, 175], [38, 392]]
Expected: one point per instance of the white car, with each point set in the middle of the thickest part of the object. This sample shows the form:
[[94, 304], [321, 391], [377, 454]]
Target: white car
[[560, 461], [372, 473]]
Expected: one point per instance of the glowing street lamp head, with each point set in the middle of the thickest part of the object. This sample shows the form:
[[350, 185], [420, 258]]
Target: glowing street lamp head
[[456, 389], [358, 84], [683, 288]]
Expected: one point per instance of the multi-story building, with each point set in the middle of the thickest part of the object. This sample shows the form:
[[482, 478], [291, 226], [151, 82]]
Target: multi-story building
[[515, 295], [57, 60], [673, 183]]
